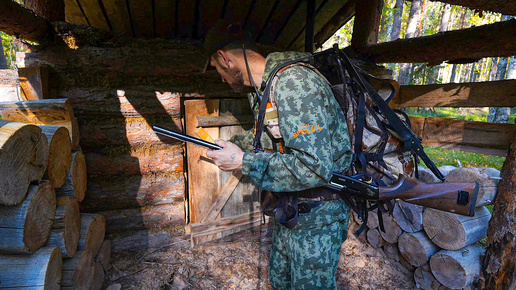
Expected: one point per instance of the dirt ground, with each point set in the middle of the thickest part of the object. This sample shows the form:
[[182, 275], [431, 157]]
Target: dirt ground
[[239, 261]]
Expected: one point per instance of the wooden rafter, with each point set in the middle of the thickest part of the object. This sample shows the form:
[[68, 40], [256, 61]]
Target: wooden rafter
[[53, 10], [339, 19], [23, 23], [458, 46], [367, 22], [501, 6]]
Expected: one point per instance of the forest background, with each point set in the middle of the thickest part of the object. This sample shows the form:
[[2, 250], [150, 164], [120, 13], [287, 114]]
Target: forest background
[[407, 19]]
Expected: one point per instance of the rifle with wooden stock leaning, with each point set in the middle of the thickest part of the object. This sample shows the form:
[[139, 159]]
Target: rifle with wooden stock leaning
[[457, 198]]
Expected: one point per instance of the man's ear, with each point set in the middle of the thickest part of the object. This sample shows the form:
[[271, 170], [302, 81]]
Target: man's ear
[[223, 56]]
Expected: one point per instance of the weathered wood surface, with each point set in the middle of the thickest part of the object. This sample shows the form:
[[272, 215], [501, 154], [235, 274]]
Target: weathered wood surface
[[78, 271], [408, 216], [149, 217], [104, 255], [10, 90], [406, 264], [457, 269], [152, 159], [203, 175], [465, 45], [118, 192], [23, 159], [77, 179], [479, 94], [392, 230], [98, 277], [219, 121], [66, 227], [34, 82], [499, 265], [26, 227], [368, 14], [391, 251], [343, 15], [93, 13], [416, 248], [446, 169], [501, 6], [225, 224], [478, 137], [222, 197], [59, 154], [93, 229], [22, 22], [372, 220], [426, 175], [134, 132], [41, 270], [452, 231], [53, 112], [487, 185], [374, 238], [53, 10], [425, 279]]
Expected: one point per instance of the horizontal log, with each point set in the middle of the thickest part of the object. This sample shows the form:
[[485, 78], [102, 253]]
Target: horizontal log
[[416, 248], [134, 102], [34, 83], [391, 251], [134, 132], [53, 112], [79, 270], [140, 161], [408, 216], [452, 231], [23, 23], [220, 121], [225, 224], [425, 279], [26, 227], [104, 255], [464, 45], [458, 269], [119, 191], [426, 175], [487, 186], [481, 94], [66, 227], [98, 277], [500, 6], [392, 230], [374, 238], [53, 10], [41, 270], [59, 154], [76, 180], [92, 232], [478, 137], [149, 217]]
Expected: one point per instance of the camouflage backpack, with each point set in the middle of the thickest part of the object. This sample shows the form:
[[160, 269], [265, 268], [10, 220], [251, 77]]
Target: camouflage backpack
[[384, 147]]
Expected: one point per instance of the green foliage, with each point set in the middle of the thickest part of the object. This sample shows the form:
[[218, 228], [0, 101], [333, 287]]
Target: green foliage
[[9, 49], [442, 156]]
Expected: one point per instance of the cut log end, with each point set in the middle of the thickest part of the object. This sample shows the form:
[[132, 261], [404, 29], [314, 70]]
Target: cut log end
[[40, 216], [23, 159], [60, 154], [78, 271], [93, 228]]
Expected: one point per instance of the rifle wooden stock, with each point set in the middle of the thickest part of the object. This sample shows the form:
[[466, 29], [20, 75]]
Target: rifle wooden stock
[[458, 198]]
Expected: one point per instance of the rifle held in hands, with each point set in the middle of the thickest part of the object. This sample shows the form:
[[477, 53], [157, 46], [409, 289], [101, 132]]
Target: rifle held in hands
[[457, 198]]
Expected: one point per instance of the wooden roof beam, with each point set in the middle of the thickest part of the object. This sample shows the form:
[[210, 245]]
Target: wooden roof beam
[[500, 6], [336, 22], [23, 23], [53, 10], [457, 46]]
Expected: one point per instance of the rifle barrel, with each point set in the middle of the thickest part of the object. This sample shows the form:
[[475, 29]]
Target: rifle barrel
[[185, 138]]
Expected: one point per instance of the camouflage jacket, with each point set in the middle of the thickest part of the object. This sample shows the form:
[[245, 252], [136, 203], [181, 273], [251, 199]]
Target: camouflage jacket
[[313, 127]]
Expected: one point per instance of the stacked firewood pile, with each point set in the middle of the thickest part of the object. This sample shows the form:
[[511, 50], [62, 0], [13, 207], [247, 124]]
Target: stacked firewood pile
[[440, 248], [44, 239]]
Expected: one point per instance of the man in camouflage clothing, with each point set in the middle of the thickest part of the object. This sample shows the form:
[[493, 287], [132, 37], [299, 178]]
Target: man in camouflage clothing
[[312, 130]]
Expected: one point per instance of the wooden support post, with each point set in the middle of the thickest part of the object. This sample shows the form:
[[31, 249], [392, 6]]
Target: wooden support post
[[500, 262], [34, 82], [53, 10], [368, 14], [310, 26], [459, 46], [21, 22]]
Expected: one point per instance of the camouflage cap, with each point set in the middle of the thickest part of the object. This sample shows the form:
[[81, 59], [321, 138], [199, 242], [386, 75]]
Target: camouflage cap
[[225, 34]]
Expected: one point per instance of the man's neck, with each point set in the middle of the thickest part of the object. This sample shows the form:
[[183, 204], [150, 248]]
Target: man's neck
[[256, 66]]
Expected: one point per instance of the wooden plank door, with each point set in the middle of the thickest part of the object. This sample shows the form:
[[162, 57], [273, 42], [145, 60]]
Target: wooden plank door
[[220, 203]]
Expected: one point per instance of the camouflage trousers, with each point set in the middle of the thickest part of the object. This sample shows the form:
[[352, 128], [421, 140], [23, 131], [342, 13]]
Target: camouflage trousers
[[307, 256]]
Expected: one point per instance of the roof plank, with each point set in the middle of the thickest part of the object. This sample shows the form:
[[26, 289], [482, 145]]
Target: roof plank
[[276, 21], [141, 15], [165, 13], [73, 13], [210, 13], [94, 14], [118, 16]]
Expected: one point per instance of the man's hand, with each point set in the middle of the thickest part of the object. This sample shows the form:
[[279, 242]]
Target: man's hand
[[229, 158]]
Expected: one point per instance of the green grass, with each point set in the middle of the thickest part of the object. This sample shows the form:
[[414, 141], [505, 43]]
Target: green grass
[[468, 114], [441, 156]]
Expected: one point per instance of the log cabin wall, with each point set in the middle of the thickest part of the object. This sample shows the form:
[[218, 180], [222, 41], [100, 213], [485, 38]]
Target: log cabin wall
[[118, 91]]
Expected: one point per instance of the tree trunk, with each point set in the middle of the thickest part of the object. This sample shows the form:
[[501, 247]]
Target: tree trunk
[[445, 18], [93, 229], [412, 27], [76, 180], [24, 159], [499, 115], [41, 270], [368, 14], [511, 71], [78, 271], [67, 224], [500, 262], [452, 231], [26, 227], [487, 186], [59, 154], [3, 60]]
